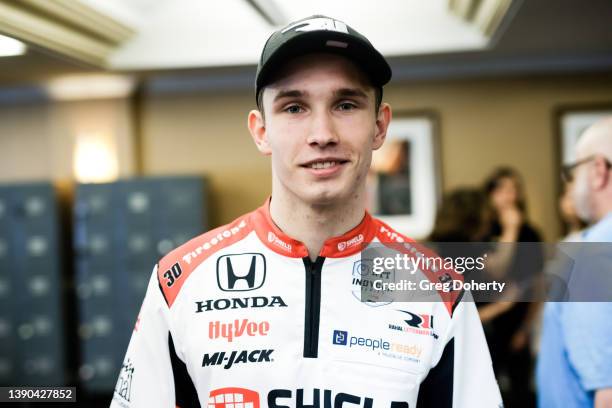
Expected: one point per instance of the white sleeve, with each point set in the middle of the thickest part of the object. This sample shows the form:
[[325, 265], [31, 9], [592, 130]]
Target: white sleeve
[[146, 378], [463, 376]]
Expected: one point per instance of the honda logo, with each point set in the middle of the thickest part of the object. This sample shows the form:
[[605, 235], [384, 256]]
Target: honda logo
[[241, 272]]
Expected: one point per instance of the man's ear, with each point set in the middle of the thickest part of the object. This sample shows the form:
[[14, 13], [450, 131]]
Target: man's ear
[[257, 127], [383, 118]]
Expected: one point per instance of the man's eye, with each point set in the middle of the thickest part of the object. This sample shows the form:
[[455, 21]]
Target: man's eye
[[293, 109], [346, 106]]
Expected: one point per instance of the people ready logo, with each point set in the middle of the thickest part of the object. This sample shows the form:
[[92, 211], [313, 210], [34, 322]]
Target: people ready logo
[[407, 352]]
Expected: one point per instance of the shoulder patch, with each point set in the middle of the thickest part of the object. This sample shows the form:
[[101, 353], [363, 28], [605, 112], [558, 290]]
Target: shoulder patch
[[403, 244], [175, 267]]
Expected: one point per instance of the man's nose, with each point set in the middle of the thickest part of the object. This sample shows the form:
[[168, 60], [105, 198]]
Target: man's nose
[[322, 131]]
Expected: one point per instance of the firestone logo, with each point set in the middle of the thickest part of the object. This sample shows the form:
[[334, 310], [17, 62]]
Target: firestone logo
[[391, 234], [272, 238], [228, 233], [350, 243]]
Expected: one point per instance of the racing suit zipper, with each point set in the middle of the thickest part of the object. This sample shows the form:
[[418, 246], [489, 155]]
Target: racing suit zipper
[[312, 306]]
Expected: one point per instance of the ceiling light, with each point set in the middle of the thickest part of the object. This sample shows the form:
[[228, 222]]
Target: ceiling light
[[9, 46]]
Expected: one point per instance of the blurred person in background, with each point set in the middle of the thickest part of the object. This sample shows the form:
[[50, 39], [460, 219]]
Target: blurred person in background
[[575, 361], [464, 216], [567, 209], [508, 325]]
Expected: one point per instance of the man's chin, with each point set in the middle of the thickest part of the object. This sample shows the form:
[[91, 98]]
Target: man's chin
[[326, 198]]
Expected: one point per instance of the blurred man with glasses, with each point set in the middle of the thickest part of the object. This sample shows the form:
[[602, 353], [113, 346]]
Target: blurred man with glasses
[[575, 361]]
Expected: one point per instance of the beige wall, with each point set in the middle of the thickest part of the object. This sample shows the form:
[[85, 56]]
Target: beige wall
[[37, 139], [484, 123]]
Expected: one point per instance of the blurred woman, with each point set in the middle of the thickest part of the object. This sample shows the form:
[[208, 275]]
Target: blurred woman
[[508, 324]]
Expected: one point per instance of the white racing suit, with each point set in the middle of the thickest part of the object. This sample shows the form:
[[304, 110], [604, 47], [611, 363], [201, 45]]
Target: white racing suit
[[239, 317]]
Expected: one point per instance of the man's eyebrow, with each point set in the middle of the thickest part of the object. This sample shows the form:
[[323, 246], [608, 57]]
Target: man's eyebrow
[[348, 92], [288, 93]]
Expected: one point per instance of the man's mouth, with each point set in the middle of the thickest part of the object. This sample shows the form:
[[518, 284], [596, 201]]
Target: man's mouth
[[324, 164]]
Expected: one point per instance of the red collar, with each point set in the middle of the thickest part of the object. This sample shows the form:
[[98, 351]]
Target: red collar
[[344, 245]]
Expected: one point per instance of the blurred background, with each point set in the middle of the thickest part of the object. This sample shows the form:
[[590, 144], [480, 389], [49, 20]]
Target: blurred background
[[123, 134]]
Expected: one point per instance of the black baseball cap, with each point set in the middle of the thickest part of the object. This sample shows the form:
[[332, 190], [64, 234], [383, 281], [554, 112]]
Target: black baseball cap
[[319, 33]]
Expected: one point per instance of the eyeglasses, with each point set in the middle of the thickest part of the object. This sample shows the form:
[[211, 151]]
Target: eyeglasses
[[567, 171]]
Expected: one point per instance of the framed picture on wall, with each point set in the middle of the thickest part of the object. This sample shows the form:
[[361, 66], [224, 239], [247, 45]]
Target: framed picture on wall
[[404, 183]]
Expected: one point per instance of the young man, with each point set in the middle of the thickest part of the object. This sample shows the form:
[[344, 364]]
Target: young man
[[265, 311]]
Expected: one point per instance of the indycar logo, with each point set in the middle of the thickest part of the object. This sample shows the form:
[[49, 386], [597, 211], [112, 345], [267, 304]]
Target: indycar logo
[[236, 357], [362, 282], [241, 272]]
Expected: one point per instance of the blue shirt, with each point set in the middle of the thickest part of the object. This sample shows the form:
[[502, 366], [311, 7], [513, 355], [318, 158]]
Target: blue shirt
[[575, 356]]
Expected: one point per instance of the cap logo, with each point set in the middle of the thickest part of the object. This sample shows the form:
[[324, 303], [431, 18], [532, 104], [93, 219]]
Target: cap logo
[[319, 23]]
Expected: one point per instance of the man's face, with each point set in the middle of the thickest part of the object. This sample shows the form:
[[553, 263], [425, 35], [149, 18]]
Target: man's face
[[581, 193], [320, 129]]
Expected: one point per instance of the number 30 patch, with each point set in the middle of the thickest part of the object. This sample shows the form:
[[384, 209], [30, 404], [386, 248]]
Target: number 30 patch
[[173, 274]]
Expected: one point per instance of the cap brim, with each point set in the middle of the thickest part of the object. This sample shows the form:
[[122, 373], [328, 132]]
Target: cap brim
[[360, 52]]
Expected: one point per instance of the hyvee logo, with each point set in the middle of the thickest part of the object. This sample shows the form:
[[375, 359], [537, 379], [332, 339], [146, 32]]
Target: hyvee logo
[[241, 272], [124, 384], [239, 303], [319, 23], [417, 323], [350, 243], [236, 357], [237, 328], [274, 239], [233, 397]]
